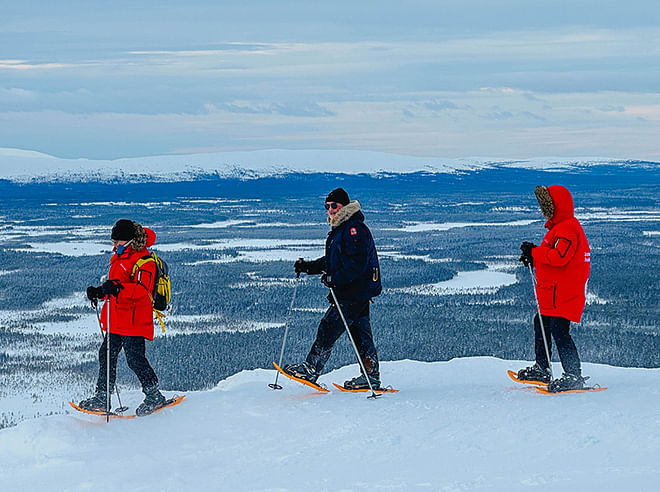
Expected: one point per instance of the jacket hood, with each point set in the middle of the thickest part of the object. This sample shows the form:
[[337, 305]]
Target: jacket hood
[[562, 201], [344, 214], [144, 237]]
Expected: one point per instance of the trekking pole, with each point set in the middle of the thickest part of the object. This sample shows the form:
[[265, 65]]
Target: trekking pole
[[373, 395], [107, 362], [538, 310], [121, 408], [274, 385]]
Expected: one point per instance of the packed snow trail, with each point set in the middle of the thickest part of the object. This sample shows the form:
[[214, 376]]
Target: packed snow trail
[[457, 425]]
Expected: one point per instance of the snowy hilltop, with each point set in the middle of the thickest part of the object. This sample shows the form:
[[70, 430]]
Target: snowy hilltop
[[23, 166], [457, 425]]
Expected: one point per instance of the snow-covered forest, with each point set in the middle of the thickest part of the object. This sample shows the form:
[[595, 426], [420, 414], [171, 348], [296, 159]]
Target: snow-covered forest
[[448, 245]]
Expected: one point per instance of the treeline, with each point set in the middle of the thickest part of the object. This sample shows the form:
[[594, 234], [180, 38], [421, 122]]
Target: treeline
[[622, 331]]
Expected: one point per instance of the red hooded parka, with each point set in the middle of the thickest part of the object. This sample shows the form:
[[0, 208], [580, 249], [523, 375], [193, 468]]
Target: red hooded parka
[[562, 261], [131, 311]]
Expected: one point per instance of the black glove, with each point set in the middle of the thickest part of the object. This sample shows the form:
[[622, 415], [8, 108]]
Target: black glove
[[327, 281], [526, 256], [94, 293], [301, 266], [111, 287]]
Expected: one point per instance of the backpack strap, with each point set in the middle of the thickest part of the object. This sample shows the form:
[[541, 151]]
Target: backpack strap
[[160, 316], [138, 264]]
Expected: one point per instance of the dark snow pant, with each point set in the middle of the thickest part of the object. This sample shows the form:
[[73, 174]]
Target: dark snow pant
[[558, 327], [134, 349], [330, 329]]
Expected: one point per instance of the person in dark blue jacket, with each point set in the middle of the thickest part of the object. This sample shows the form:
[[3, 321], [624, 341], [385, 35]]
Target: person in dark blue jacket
[[350, 267]]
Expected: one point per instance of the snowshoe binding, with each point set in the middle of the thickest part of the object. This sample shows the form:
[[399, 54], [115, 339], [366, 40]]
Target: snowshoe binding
[[94, 404], [534, 373], [302, 371], [566, 382], [360, 383], [153, 400]]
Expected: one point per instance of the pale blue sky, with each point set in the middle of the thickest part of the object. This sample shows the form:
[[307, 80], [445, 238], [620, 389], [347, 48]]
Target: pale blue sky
[[501, 79]]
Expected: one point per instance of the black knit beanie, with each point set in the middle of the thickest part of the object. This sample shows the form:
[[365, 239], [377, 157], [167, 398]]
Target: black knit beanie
[[123, 230], [338, 195]]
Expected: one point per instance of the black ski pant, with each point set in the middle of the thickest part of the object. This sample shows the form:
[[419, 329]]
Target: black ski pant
[[134, 348], [559, 328], [330, 329]]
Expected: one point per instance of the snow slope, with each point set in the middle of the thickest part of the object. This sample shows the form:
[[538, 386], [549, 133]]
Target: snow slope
[[454, 426], [22, 166]]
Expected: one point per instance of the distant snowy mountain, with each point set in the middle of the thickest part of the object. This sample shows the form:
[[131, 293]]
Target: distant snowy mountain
[[23, 166], [457, 425]]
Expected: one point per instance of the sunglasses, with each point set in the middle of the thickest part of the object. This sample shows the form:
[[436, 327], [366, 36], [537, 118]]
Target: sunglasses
[[332, 205]]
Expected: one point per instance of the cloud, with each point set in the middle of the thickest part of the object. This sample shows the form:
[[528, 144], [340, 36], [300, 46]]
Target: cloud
[[306, 109], [24, 65], [612, 108], [17, 94], [439, 105], [440, 78]]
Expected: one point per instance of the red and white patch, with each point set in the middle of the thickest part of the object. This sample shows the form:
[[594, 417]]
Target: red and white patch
[[353, 231]]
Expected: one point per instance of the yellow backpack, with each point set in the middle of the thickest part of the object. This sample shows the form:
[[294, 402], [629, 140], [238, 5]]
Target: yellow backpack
[[162, 292]]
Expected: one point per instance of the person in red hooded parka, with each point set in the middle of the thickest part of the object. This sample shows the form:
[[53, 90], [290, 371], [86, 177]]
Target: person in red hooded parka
[[562, 264], [128, 297]]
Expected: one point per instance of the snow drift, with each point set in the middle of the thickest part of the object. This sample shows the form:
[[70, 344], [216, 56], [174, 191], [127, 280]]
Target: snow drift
[[457, 425]]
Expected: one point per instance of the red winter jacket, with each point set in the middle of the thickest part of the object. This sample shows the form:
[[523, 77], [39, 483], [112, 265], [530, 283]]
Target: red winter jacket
[[131, 311], [562, 261]]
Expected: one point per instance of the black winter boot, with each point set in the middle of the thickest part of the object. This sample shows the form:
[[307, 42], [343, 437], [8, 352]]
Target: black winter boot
[[534, 373], [360, 382], [302, 371], [96, 403], [566, 382], [153, 400]]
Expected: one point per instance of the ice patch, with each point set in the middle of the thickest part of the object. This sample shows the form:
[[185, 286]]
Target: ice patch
[[479, 282], [237, 243], [618, 215], [445, 226], [73, 248], [222, 224], [396, 255]]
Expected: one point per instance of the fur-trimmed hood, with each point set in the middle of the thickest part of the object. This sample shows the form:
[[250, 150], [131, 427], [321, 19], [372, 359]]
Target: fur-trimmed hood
[[345, 213], [556, 204], [144, 237]]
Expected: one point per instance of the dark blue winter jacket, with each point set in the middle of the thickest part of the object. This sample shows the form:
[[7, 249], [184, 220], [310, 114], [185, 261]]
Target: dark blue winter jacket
[[350, 258]]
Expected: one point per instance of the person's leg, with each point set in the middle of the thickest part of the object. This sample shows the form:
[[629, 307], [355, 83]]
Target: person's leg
[[99, 400], [363, 336], [134, 348], [330, 329], [116, 344], [568, 354], [540, 371], [539, 347]]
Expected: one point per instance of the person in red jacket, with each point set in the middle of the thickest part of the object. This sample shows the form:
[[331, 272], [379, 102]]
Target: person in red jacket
[[128, 297], [562, 262]]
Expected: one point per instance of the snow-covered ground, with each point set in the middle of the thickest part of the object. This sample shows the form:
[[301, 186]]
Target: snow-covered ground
[[454, 426]]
